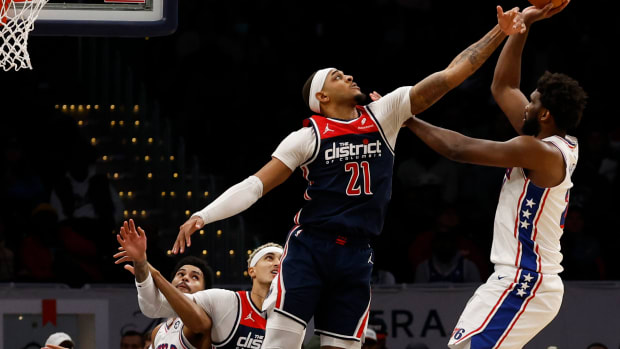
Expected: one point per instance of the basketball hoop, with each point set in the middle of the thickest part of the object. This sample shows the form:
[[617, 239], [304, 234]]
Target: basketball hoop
[[16, 22]]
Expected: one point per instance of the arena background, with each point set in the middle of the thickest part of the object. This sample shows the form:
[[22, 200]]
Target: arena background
[[218, 96]]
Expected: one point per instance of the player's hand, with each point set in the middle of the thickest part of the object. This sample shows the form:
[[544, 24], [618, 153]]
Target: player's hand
[[533, 14], [122, 257], [375, 96], [510, 22], [133, 244], [185, 232]]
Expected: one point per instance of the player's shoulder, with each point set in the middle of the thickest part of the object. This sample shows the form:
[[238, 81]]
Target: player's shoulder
[[304, 133], [215, 294]]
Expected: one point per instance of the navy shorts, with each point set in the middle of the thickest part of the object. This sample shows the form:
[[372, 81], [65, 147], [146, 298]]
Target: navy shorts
[[327, 276]]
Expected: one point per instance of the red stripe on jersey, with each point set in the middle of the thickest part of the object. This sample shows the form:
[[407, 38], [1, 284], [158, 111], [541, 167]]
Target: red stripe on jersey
[[362, 325]]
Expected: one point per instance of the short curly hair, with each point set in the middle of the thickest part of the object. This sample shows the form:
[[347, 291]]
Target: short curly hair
[[199, 263], [256, 250], [564, 99]]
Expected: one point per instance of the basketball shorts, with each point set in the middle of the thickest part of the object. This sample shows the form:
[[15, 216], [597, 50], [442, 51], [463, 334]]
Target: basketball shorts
[[325, 276], [508, 310]]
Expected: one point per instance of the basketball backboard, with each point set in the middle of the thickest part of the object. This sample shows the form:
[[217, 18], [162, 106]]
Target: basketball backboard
[[113, 18]]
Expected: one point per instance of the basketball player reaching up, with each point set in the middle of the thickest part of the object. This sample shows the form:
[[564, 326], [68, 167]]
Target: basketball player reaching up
[[524, 293], [346, 155], [191, 328], [230, 319]]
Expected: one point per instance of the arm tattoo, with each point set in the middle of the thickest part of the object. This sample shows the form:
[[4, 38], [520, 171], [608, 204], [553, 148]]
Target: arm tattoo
[[428, 91], [480, 51]]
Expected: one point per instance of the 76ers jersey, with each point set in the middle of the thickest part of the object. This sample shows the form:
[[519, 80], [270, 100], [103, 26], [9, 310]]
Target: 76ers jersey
[[170, 336], [530, 220], [249, 328], [349, 176]]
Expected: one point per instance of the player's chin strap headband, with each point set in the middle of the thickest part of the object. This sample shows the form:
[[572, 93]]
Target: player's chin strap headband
[[264, 251], [317, 85]]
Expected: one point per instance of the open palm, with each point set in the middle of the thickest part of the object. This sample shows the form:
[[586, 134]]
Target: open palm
[[133, 243]]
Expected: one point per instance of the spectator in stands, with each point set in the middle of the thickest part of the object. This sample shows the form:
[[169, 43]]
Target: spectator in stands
[[370, 342], [36, 250], [382, 277], [597, 346], [380, 329], [146, 337], [582, 251], [446, 263], [89, 209], [444, 253], [132, 340], [59, 340], [84, 194]]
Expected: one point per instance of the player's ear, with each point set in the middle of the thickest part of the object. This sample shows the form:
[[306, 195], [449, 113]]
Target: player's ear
[[322, 97], [252, 272]]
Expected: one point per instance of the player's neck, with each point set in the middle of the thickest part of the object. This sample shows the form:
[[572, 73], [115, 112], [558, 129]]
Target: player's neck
[[342, 112], [259, 293], [548, 133]]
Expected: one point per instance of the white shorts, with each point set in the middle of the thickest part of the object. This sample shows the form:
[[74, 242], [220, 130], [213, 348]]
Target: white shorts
[[508, 310]]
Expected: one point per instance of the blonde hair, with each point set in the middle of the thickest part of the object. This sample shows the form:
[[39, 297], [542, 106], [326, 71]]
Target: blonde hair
[[259, 248]]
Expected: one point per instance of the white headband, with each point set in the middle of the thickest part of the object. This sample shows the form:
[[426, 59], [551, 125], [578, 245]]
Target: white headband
[[264, 251], [317, 85]]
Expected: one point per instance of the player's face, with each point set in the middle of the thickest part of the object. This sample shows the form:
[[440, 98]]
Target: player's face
[[534, 109], [341, 88], [266, 268], [189, 279]]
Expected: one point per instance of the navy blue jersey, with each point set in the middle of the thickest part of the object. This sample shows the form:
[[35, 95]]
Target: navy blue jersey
[[349, 177]]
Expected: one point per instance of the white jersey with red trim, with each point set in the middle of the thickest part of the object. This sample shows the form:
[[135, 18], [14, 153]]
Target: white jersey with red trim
[[529, 220], [170, 336]]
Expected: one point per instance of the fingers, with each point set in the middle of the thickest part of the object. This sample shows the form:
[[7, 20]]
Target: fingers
[[123, 260], [120, 240], [119, 254], [132, 226], [500, 11], [142, 232], [179, 244], [129, 268]]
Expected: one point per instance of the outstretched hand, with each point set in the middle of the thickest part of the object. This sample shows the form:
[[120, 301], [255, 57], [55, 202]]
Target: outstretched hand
[[510, 22], [185, 232], [133, 245], [533, 14], [374, 96]]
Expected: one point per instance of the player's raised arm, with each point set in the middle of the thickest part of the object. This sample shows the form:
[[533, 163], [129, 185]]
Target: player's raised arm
[[235, 200], [524, 151], [194, 317], [507, 76], [428, 91], [132, 242]]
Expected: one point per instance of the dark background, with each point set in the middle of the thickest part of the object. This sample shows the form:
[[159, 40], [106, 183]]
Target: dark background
[[228, 86]]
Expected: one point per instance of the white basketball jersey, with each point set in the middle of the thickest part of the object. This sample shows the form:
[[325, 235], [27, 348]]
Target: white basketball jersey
[[529, 220], [170, 336]]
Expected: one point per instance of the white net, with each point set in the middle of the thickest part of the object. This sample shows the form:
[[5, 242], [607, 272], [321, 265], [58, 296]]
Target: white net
[[16, 22]]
